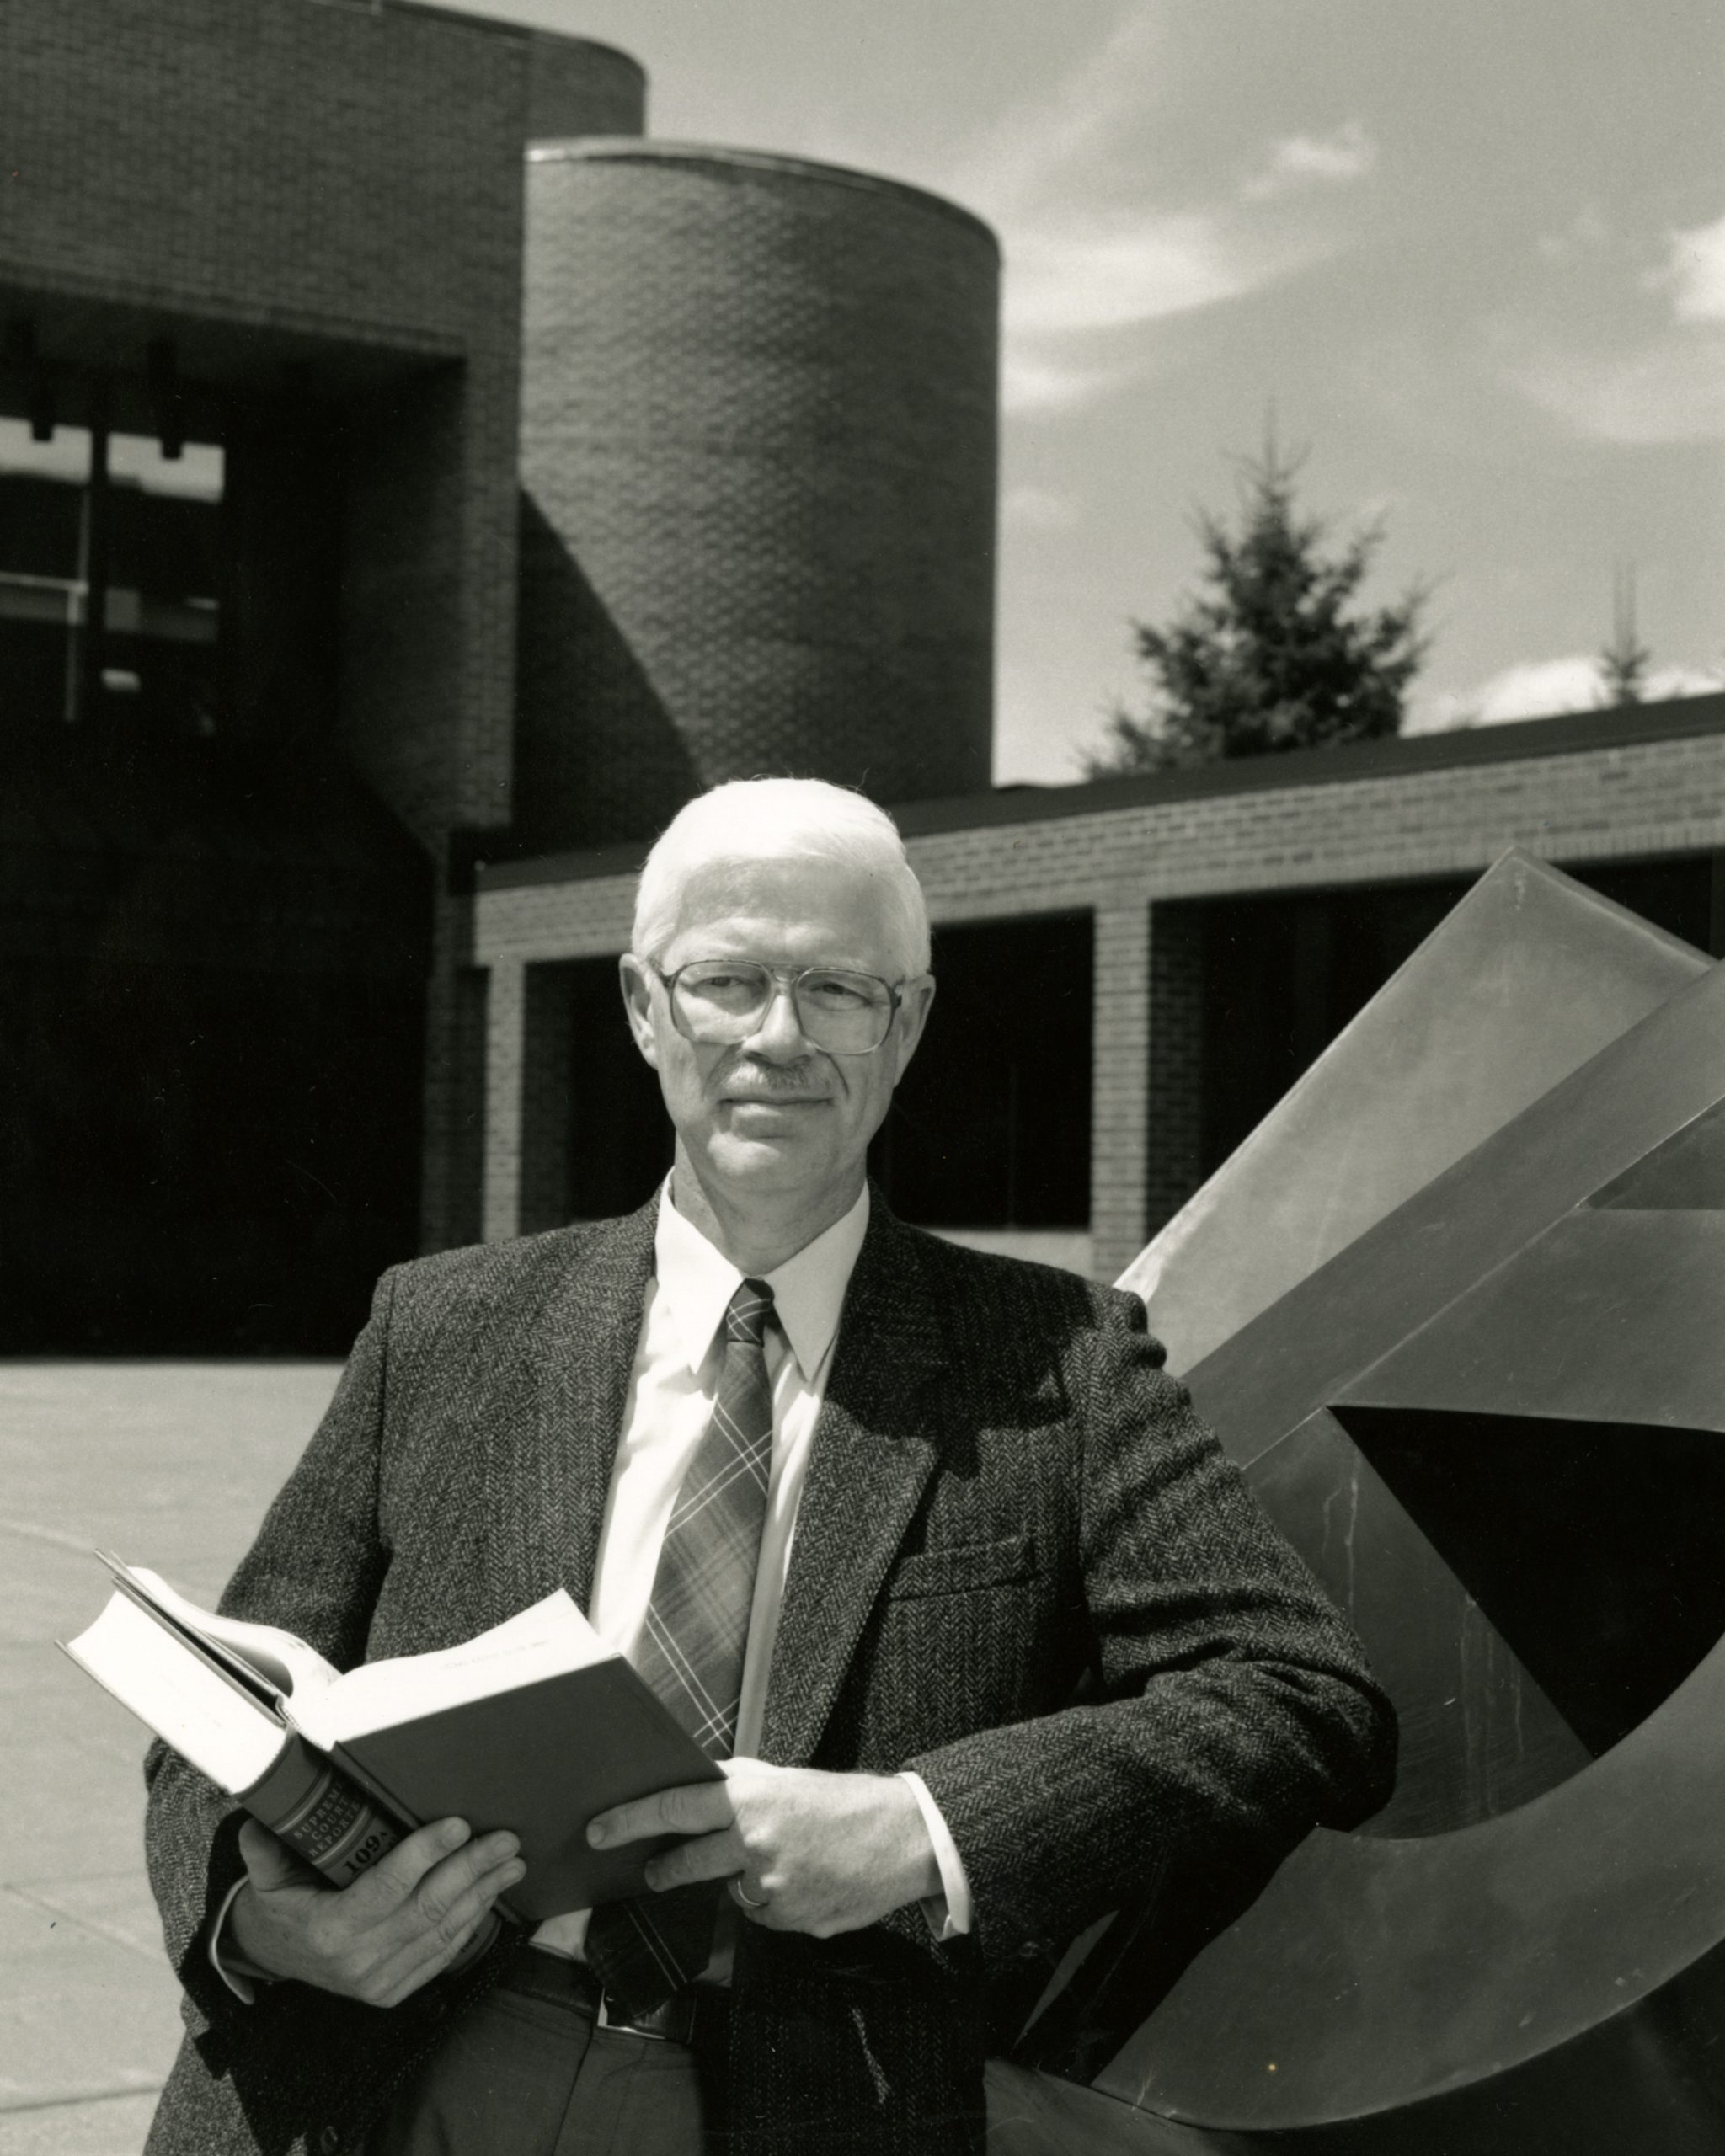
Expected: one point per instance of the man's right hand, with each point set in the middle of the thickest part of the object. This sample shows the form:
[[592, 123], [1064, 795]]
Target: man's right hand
[[393, 1928]]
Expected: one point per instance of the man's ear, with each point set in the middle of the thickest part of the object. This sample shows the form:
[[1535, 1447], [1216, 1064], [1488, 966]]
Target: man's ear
[[637, 1002], [913, 1016]]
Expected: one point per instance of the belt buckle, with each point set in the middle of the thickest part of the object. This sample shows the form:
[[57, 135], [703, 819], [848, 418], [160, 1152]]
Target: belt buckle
[[605, 2019]]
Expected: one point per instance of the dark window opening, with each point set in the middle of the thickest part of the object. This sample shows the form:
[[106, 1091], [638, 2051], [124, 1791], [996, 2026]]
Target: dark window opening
[[595, 1140], [110, 576], [212, 1000], [204, 1158], [1284, 975], [990, 1125]]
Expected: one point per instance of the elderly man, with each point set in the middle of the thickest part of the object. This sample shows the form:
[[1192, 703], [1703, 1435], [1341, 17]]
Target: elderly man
[[922, 1543]]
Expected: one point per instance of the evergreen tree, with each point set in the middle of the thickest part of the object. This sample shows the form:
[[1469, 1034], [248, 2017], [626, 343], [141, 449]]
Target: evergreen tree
[[1268, 655], [1623, 664]]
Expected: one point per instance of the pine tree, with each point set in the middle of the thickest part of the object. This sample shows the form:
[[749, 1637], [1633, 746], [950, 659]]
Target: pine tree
[[1623, 664], [1269, 656]]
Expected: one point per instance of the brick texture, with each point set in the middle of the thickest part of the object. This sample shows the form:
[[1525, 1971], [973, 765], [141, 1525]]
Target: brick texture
[[1131, 865], [758, 450], [457, 1033], [504, 1070], [322, 206], [575, 87], [309, 182], [1120, 1045], [1173, 1115]]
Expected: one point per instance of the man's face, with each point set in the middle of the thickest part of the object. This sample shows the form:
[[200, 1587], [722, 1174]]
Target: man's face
[[772, 1114]]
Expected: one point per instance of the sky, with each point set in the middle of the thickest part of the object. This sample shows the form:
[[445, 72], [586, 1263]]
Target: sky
[[1470, 256]]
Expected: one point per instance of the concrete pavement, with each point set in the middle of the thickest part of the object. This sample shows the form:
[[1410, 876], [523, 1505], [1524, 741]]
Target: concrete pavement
[[171, 1465]]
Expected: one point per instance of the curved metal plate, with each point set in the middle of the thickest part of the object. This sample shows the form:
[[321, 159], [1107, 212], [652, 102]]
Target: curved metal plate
[[1537, 1327], [1527, 977]]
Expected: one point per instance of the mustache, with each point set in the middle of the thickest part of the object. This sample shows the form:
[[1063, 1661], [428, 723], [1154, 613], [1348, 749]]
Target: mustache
[[767, 1082]]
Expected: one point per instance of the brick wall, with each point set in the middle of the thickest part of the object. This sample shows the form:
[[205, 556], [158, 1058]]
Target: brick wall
[[457, 1033], [1609, 787], [321, 207], [1121, 1048], [1174, 1111], [276, 184], [263, 158], [575, 87], [758, 444]]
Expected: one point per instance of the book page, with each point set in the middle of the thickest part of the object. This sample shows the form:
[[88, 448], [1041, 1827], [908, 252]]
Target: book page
[[222, 1730], [285, 1663], [545, 1641]]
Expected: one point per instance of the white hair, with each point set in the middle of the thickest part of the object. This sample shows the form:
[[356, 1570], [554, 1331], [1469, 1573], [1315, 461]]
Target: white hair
[[749, 819]]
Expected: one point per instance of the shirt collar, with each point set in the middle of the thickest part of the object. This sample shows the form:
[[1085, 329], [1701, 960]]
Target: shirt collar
[[698, 1282]]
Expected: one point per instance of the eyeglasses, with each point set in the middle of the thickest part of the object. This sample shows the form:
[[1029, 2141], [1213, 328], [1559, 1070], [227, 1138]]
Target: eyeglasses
[[724, 1000]]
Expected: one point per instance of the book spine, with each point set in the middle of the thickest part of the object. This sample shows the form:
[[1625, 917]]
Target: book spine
[[320, 1814], [381, 1793]]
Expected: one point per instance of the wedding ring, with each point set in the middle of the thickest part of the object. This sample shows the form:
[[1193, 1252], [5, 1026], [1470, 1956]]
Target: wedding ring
[[745, 1899]]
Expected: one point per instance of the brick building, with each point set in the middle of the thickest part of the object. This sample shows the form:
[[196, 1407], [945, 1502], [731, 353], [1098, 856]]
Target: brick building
[[413, 483], [346, 353], [1132, 972], [758, 450]]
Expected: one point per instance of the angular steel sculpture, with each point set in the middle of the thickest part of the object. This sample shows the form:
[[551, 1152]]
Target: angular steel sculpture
[[1528, 976], [1491, 1419]]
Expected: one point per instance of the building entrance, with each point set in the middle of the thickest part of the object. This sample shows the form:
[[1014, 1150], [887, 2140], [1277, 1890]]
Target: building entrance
[[214, 939]]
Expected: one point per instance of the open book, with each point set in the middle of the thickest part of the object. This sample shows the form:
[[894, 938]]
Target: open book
[[534, 1726]]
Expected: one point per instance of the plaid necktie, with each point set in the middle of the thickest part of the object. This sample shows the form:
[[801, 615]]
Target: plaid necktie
[[691, 1648]]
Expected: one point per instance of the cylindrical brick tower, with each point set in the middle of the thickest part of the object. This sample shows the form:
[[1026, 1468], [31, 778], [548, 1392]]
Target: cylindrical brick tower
[[758, 454], [576, 87]]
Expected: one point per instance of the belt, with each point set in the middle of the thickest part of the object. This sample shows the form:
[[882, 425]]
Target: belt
[[697, 2013]]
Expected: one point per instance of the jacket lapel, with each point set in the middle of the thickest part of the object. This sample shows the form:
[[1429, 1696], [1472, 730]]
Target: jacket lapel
[[555, 1470], [871, 1460]]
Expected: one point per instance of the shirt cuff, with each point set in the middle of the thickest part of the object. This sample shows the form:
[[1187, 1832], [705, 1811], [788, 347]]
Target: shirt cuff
[[240, 1976], [948, 1912]]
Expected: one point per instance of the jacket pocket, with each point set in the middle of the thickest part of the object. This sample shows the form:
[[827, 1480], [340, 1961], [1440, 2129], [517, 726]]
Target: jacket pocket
[[959, 1566]]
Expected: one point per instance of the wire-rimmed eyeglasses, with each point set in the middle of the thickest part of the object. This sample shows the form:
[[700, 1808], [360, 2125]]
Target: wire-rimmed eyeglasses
[[717, 1000]]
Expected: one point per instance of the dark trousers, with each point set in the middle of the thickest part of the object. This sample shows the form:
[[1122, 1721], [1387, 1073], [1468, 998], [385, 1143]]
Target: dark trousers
[[528, 2073]]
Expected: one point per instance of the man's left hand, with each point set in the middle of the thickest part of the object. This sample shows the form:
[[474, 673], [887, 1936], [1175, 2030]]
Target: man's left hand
[[820, 1853]]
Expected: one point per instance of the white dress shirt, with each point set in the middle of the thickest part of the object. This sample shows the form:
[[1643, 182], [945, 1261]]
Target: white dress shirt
[[673, 1384], [672, 1388]]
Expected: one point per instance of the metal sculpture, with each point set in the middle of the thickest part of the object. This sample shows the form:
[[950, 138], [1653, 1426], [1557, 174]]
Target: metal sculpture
[[1526, 977], [1490, 1421]]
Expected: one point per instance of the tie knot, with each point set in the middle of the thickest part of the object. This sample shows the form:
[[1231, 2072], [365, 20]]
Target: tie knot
[[749, 1312]]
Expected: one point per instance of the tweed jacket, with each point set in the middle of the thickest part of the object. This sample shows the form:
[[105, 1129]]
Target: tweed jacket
[[1021, 1567]]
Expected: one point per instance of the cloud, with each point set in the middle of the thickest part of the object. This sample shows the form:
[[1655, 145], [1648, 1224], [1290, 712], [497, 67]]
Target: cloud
[[1684, 681], [1037, 508], [1695, 272], [1075, 125], [1669, 389], [1346, 154], [1076, 284], [1533, 688], [1109, 272], [1035, 386], [1084, 260], [1544, 688], [1091, 254], [1669, 386], [1587, 233]]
